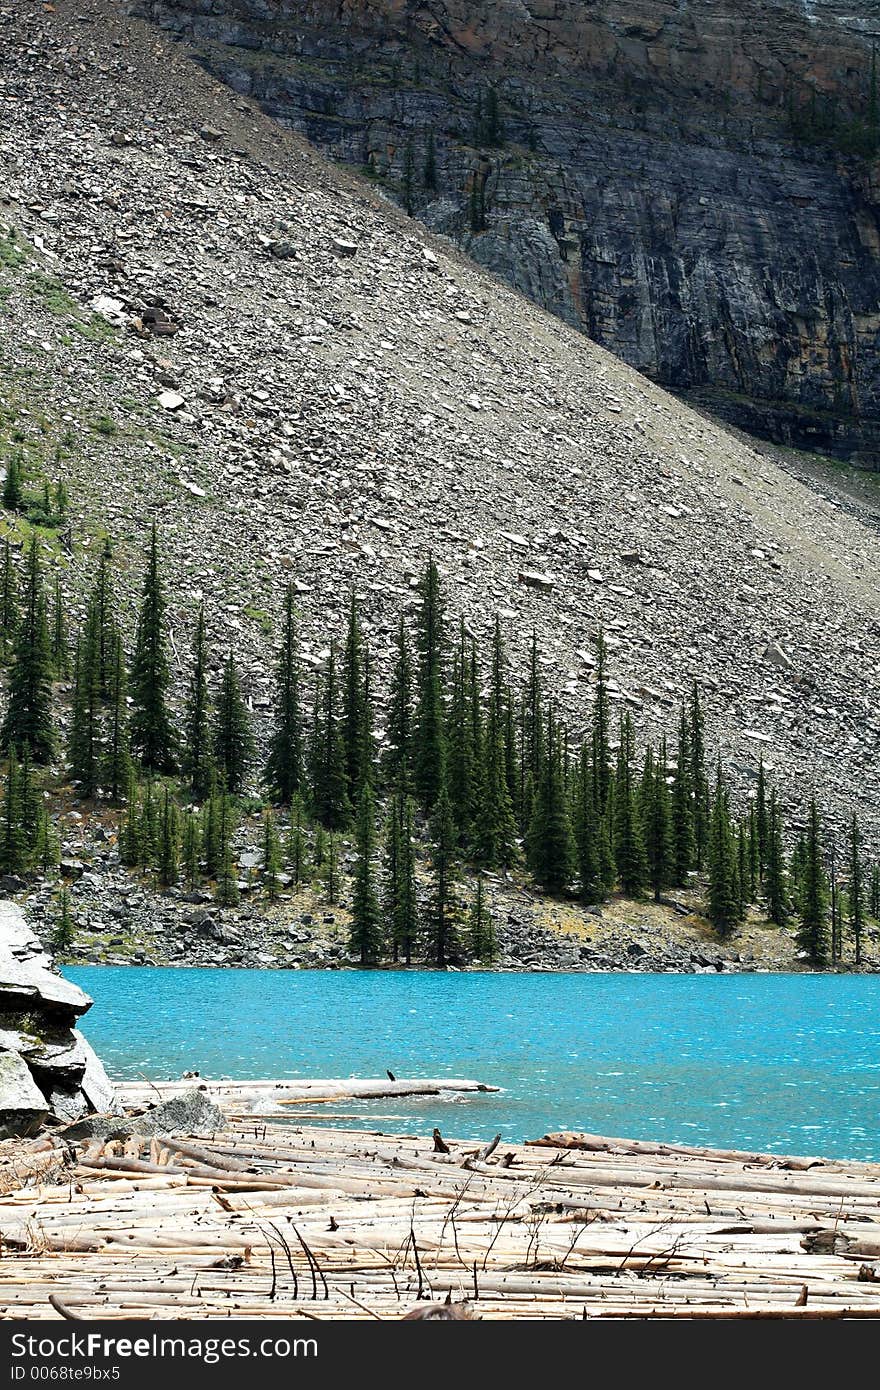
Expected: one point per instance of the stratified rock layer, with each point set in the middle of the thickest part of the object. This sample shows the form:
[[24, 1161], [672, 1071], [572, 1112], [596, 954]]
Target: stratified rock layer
[[692, 185], [47, 1069]]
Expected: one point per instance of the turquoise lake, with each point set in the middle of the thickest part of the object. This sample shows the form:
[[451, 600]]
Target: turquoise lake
[[785, 1063]]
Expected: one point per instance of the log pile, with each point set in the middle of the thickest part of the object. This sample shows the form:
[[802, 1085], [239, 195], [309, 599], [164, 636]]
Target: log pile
[[286, 1220]]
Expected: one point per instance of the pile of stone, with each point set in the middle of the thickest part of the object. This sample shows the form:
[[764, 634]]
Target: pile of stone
[[48, 1072]]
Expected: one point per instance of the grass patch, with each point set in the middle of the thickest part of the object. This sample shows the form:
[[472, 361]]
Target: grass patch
[[261, 618]]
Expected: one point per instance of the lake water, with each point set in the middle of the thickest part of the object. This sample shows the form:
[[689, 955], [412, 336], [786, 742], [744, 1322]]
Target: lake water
[[785, 1063]]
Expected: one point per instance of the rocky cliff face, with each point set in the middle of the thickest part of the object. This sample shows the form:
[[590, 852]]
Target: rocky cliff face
[[47, 1069], [695, 185]]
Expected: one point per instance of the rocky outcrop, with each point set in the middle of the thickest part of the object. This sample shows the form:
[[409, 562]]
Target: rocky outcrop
[[47, 1069], [695, 186]]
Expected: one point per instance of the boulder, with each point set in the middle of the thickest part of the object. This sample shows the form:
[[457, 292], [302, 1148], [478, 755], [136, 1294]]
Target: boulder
[[23, 1107]]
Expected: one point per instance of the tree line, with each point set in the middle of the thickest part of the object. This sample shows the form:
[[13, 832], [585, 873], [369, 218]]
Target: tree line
[[472, 769]]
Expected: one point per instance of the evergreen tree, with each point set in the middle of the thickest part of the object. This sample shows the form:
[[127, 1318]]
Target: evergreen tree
[[550, 841], [227, 893], [233, 741], [601, 725], [197, 751], [13, 844], [399, 755], [84, 744], [463, 770], [330, 789], [355, 722], [775, 886], [168, 861], [698, 780], [9, 616], [585, 827], [331, 870], [13, 484], [391, 871], [62, 937], [28, 720], [874, 901], [856, 889], [405, 924], [153, 739], [296, 841], [101, 609], [441, 923], [271, 857], [319, 847], [117, 759], [59, 645], [130, 829], [494, 831], [47, 852], [629, 844], [149, 828], [532, 736], [429, 743], [682, 811], [365, 939], [724, 909], [762, 819], [284, 767], [657, 822], [813, 927], [191, 845], [481, 928]]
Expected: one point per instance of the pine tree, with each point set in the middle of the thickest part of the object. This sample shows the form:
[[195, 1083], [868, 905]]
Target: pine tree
[[399, 755], [296, 841], [441, 923], [585, 828], [13, 484], [481, 928], [355, 723], [168, 859], [117, 759], [723, 897], [60, 647], [101, 607], [153, 738], [84, 743], [62, 937], [762, 820], [405, 924], [684, 844], [148, 837], [130, 829], [494, 831], [531, 735], [28, 721], [856, 888], [629, 844], [13, 844], [233, 741], [47, 851], [271, 857], [813, 927], [391, 863], [191, 845], [429, 743], [601, 723], [698, 780], [365, 938], [463, 770], [775, 885], [197, 738], [284, 766], [9, 616], [550, 841], [331, 869], [226, 892], [330, 778], [874, 901], [657, 824]]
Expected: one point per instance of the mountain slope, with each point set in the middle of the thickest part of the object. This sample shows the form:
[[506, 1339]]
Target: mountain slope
[[355, 394], [695, 185]]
